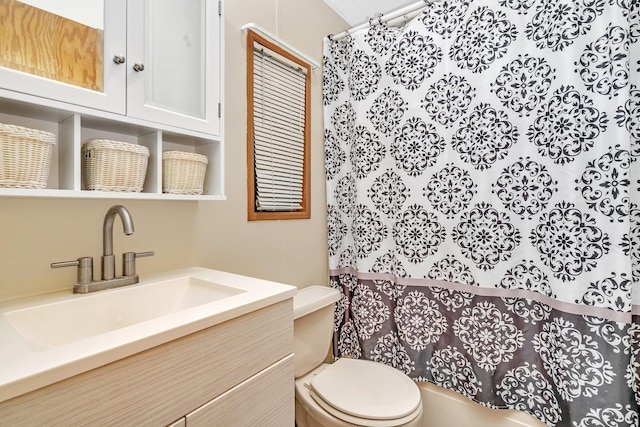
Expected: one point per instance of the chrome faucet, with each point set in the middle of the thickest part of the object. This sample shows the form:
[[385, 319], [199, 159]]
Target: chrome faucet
[[109, 280], [108, 259]]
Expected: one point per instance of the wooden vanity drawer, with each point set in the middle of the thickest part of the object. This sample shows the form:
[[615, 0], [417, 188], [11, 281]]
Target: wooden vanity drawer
[[266, 399]]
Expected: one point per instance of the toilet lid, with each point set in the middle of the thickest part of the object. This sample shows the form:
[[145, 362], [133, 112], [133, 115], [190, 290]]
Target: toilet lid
[[367, 390]]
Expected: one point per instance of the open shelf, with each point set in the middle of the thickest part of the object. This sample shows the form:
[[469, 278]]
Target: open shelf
[[72, 128]]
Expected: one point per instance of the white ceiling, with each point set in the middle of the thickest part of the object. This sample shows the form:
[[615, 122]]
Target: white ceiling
[[358, 11]]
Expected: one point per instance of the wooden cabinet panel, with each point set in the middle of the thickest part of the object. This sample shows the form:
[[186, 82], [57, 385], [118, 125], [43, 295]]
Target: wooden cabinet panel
[[48, 45], [182, 422], [264, 400], [53, 57]]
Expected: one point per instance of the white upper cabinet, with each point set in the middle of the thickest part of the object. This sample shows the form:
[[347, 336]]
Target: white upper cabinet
[[172, 72], [63, 51], [152, 60]]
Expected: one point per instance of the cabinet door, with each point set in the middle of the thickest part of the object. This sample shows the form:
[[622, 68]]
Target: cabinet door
[[182, 422], [64, 50], [266, 399], [173, 66]]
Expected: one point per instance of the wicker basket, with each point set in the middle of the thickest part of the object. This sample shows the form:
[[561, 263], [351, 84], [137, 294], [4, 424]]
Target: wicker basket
[[182, 172], [25, 156], [114, 165]]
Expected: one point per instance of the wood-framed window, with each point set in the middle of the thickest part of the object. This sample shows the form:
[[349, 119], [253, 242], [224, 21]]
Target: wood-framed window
[[278, 132]]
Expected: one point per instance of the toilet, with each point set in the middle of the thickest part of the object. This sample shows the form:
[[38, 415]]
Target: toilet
[[348, 392]]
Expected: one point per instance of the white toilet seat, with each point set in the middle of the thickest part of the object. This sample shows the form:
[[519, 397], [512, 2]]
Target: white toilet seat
[[362, 393]]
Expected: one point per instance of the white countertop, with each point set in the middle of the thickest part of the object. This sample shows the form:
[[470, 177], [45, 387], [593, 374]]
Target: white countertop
[[25, 367]]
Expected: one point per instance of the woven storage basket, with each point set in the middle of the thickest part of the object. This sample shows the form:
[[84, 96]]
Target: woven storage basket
[[182, 172], [25, 156], [113, 165]]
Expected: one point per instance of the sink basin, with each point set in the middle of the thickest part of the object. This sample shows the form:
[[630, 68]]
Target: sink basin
[[51, 337], [54, 324]]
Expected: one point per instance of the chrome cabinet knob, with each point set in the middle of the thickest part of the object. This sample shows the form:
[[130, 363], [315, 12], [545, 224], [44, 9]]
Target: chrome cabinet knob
[[118, 59], [138, 66]]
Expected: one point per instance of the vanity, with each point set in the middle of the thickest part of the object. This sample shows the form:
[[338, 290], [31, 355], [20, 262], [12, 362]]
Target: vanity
[[193, 347]]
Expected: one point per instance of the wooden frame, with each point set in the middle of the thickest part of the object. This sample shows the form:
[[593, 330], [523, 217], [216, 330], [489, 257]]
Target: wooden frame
[[305, 212]]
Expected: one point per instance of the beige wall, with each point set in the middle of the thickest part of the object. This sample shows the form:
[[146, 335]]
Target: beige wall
[[292, 251], [36, 232]]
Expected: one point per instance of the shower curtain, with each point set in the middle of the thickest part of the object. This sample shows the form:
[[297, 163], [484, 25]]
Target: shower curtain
[[483, 212]]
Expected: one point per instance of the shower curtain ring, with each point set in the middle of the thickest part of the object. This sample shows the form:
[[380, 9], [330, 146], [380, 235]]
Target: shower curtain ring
[[372, 20]]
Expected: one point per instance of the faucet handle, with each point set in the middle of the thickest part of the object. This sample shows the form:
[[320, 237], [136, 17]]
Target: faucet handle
[[85, 268], [145, 254], [129, 261]]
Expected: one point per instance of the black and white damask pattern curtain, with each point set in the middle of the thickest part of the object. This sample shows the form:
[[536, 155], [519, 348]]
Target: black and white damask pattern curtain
[[483, 212]]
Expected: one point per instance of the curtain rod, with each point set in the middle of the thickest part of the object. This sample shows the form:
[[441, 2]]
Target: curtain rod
[[252, 26], [379, 19]]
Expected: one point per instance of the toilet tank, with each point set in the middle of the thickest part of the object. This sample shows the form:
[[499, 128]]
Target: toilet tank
[[313, 309]]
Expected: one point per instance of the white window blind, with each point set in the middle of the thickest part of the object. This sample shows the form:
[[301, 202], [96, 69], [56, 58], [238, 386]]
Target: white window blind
[[279, 91]]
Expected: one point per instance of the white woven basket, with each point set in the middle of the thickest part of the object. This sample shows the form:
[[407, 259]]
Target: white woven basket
[[25, 156], [183, 172], [113, 165]]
